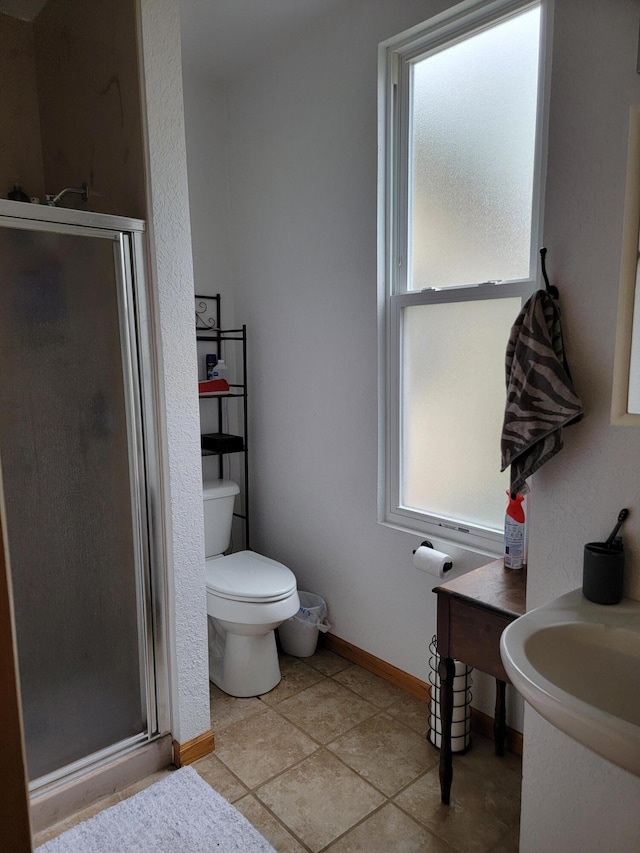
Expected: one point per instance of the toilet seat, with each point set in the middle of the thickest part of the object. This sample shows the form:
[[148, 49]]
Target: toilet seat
[[247, 576]]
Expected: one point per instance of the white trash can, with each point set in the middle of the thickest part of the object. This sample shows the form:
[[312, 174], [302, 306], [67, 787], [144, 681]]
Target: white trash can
[[299, 634]]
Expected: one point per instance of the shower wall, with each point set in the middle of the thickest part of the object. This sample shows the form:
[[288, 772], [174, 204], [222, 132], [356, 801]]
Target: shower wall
[[70, 104], [21, 149]]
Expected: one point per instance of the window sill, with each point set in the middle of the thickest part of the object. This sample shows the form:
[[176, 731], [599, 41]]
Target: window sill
[[443, 537]]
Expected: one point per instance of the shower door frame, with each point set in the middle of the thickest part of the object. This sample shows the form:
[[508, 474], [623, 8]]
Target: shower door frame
[[143, 444]]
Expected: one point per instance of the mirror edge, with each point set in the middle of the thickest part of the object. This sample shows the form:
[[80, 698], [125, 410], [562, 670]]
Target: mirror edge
[[620, 416]]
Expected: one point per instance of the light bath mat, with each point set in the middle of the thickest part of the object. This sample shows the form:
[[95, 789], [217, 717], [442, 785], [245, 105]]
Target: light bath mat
[[179, 814]]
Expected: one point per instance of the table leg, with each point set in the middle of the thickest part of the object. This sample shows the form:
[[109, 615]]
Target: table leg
[[446, 671], [500, 719]]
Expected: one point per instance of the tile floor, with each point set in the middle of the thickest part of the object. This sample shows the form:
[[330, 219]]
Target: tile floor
[[335, 759]]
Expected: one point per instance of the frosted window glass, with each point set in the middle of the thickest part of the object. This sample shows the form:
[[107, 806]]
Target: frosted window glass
[[454, 396], [472, 142]]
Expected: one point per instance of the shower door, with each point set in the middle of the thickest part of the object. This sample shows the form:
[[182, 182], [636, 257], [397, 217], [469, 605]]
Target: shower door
[[72, 447]]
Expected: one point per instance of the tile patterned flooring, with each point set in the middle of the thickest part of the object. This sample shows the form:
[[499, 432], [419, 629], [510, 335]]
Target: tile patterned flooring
[[335, 759]]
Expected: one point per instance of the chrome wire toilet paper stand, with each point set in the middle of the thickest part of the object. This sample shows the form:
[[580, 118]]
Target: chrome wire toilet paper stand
[[461, 721]]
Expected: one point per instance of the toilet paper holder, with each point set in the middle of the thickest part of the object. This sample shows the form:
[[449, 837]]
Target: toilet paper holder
[[427, 544]]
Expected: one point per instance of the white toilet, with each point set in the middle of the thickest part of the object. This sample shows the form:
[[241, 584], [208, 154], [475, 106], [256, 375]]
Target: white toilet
[[248, 596]]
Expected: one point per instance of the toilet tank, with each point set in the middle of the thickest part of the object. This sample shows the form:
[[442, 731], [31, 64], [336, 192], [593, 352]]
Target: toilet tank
[[218, 499]]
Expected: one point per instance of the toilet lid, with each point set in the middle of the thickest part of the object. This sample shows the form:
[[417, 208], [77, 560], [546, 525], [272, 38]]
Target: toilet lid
[[247, 576]]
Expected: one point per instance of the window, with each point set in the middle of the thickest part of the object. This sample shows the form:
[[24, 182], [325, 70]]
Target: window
[[459, 210]]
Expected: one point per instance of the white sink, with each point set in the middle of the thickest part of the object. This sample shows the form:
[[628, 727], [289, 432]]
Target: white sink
[[578, 664]]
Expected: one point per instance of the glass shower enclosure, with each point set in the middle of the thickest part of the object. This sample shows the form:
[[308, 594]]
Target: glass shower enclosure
[[79, 462]]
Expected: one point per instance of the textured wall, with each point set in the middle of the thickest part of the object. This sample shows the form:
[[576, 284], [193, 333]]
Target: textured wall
[[572, 799], [301, 190], [300, 186], [173, 276], [208, 169]]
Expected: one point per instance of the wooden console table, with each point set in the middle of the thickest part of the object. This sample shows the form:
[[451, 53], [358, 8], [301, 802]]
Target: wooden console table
[[473, 611]]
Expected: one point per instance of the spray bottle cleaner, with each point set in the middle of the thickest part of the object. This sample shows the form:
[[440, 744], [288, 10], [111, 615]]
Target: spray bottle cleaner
[[514, 534]]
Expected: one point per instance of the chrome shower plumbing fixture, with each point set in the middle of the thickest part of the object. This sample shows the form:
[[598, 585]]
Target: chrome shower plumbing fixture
[[54, 200]]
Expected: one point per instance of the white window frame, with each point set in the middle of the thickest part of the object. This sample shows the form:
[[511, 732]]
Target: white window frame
[[395, 58]]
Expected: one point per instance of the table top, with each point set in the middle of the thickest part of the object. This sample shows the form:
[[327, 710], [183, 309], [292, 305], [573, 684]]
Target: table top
[[491, 586]]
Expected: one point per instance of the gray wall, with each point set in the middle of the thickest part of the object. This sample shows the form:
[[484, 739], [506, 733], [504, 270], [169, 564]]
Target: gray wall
[[302, 213], [294, 149], [172, 273], [572, 799], [303, 210]]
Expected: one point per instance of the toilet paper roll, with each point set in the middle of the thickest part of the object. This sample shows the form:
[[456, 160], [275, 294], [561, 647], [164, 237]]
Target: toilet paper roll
[[431, 561]]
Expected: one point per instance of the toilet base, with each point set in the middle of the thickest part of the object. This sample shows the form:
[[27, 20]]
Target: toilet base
[[242, 666]]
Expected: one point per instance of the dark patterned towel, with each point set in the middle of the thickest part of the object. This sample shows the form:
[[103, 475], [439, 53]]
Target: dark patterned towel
[[541, 399]]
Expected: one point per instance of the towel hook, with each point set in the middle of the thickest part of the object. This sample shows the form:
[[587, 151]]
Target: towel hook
[[551, 289]]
